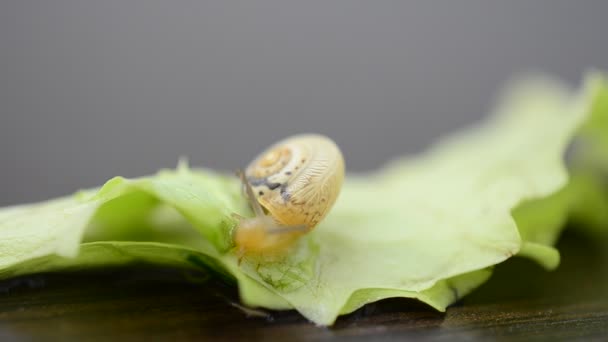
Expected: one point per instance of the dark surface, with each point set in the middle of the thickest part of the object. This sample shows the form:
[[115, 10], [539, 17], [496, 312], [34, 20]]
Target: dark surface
[[521, 301]]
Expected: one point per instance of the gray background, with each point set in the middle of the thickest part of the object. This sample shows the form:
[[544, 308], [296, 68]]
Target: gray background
[[94, 89]]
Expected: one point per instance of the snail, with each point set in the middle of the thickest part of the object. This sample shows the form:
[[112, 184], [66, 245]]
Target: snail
[[291, 187]]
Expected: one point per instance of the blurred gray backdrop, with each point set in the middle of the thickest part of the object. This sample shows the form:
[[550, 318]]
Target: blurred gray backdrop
[[94, 89]]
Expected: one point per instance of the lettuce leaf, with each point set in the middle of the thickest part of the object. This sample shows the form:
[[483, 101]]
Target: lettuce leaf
[[429, 227]]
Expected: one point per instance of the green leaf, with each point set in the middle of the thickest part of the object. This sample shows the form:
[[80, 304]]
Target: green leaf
[[429, 227], [444, 214]]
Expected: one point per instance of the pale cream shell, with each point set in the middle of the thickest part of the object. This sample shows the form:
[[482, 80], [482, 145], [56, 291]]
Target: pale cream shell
[[298, 179]]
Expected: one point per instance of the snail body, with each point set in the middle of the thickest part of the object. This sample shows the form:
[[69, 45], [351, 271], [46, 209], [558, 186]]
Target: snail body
[[291, 187]]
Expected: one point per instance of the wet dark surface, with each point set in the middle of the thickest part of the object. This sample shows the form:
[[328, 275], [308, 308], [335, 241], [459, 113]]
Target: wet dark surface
[[521, 301]]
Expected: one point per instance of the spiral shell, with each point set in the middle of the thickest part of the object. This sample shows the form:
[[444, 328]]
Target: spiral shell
[[297, 180]]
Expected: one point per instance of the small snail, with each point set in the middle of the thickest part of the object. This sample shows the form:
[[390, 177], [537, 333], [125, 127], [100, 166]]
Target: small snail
[[291, 187]]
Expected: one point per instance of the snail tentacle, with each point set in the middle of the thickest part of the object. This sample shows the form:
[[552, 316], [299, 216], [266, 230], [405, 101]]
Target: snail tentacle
[[255, 205]]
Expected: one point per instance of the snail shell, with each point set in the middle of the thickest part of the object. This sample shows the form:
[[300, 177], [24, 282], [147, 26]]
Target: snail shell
[[294, 184], [298, 179]]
